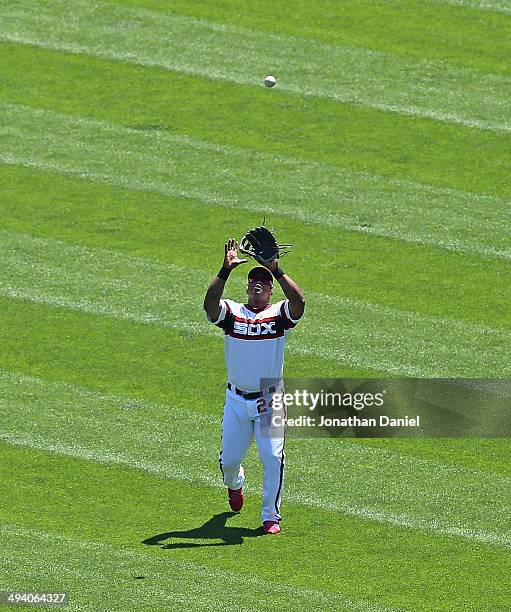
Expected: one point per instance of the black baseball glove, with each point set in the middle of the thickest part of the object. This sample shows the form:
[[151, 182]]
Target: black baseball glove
[[262, 245]]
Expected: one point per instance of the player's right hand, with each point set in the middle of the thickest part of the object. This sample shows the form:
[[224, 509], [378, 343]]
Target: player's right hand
[[231, 259]]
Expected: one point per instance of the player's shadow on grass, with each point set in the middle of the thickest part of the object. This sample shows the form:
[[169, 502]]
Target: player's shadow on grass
[[214, 529]]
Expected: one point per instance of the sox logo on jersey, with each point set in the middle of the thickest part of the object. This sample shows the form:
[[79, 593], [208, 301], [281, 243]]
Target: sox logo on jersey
[[254, 329]]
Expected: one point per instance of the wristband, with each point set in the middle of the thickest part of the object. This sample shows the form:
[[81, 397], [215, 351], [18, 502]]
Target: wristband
[[278, 273], [224, 273]]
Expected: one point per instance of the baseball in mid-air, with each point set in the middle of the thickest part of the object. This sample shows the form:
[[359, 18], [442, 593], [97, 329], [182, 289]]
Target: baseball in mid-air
[[270, 81]]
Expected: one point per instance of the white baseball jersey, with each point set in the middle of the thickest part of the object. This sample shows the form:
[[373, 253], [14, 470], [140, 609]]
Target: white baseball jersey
[[254, 341]]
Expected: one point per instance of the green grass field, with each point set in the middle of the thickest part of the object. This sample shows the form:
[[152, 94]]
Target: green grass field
[[136, 137]]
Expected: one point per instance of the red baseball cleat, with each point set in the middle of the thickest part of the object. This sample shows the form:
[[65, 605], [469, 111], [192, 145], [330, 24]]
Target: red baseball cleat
[[235, 499], [271, 527]]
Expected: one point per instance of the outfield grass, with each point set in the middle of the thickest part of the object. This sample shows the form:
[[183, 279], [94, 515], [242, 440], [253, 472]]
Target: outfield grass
[[134, 140]]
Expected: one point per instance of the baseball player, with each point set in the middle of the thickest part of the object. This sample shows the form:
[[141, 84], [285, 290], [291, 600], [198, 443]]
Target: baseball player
[[255, 336]]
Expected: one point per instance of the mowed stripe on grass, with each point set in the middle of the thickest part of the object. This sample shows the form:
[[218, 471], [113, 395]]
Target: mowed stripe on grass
[[237, 178], [163, 440], [499, 6], [107, 282], [357, 76]]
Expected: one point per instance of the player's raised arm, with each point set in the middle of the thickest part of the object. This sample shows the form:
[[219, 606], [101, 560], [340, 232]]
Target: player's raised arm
[[215, 290], [290, 288], [261, 244]]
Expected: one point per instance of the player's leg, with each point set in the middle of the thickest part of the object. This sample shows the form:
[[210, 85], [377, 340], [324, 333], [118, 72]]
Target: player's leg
[[271, 451], [237, 434]]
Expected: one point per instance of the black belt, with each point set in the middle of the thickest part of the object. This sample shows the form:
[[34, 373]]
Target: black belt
[[250, 395]]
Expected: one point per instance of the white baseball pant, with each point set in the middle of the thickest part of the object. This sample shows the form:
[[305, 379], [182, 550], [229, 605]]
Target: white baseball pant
[[240, 424]]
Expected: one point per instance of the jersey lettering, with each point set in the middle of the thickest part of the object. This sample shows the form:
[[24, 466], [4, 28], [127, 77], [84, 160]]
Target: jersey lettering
[[254, 329]]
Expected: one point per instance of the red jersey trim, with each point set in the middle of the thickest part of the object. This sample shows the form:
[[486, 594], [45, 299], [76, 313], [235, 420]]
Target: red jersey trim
[[288, 322], [243, 320], [247, 337]]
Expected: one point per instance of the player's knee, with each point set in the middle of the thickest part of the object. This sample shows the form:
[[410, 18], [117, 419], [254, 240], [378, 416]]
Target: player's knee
[[272, 460], [230, 463]]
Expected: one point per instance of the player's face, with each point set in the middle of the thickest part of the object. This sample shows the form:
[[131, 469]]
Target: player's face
[[259, 290]]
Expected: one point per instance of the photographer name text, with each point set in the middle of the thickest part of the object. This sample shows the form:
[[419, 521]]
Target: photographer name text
[[351, 421]]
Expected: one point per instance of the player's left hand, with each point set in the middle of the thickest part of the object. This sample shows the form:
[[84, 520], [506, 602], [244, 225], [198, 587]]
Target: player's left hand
[[272, 265], [261, 244]]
